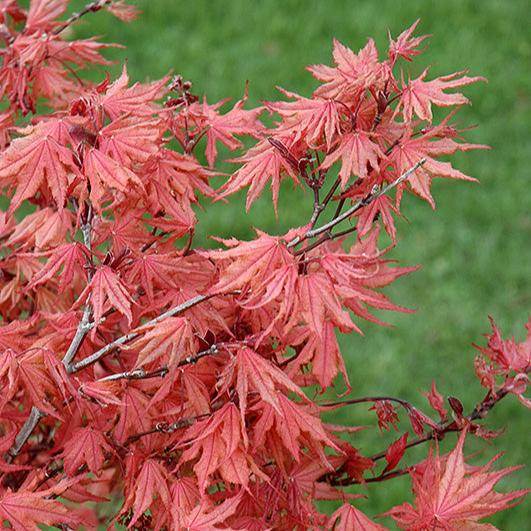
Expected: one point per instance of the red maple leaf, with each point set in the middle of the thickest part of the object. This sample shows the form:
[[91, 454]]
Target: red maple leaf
[[395, 452], [105, 290], [26, 510], [313, 118], [357, 152], [419, 95], [436, 401], [452, 495], [223, 127], [120, 99], [85, 446], [41, 156], [219, 442], [353, 72], [348, 518], [202, 519], [172, 340], [405, 45], [411, 149], [261, 163], [66, 260], [150, 483], [43, 14]]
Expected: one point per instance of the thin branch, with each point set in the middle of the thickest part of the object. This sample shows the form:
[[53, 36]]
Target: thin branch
[[357, 206], [318, 207], [161, 372], [25, 432], [164, 427], [332, 191], [480, 411], [187, 248], [91, 7], [377, 479], [133, 335], [135, 374], [84, 325], [333, 405]]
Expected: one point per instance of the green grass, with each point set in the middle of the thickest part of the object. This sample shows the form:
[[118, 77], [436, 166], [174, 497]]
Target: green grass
[[475, 248]]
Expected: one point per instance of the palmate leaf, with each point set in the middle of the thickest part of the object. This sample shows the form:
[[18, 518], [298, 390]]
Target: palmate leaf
[[26, 510], [223, 127], [106, 174], [43, 14], [120, 99], [419, 95], [107, 289], [348, 518], [452, 495], [131, 141], [412, 149], [321, 351], [261, 164], [248, 261], [172, 340], [256, 373], [312, 118], [405, 45], [218, 443], [352, 74], [86, 446], [41, 157], [357, 152], [152, 481], [66, 260], [201, 519], [318, 301]]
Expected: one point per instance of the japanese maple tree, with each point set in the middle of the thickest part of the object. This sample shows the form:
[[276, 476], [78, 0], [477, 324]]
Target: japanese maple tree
[[188, 383]]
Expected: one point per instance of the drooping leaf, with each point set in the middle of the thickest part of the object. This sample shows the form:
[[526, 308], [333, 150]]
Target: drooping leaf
[[26, 510], [395, 452], [86, 446], [450, 494], [107, 289], [37, 158], [348, 518], [172, 340]]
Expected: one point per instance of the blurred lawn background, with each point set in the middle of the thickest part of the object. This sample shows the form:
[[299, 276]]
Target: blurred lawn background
[[475, 248]]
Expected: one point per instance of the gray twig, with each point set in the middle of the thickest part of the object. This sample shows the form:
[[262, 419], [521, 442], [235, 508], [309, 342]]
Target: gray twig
[[91, 7], [141, 374], [84, 325], [133, 335], [25, 432], [355, 207]]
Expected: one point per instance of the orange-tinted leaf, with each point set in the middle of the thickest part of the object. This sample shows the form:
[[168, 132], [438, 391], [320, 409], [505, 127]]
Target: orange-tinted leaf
[[418, 95], [405, 45], [172, 339], [261, 163], [395, 452], [26, 510], [348, 518], [357, 152], [39, 157], [106, 289], [85, 446], [151, 482], [448, 493]]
